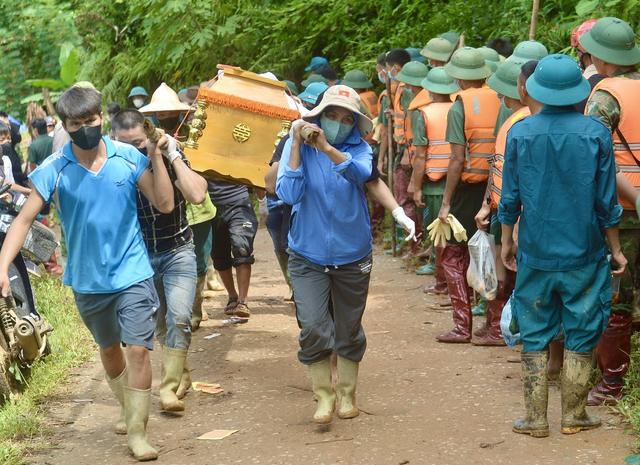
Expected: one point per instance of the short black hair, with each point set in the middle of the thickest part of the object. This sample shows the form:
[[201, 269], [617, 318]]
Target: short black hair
[[382, 60], [398, 56], [41, 125], [126, 119], [4, 129], [328, 72], [4, 114], [528, 69], [113, 108], [79, 103], [502, 46]]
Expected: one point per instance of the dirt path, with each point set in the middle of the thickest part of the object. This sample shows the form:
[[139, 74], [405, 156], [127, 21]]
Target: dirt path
[[422, 402]]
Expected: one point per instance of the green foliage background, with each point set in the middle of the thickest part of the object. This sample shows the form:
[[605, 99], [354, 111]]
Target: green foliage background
[[145, 42]]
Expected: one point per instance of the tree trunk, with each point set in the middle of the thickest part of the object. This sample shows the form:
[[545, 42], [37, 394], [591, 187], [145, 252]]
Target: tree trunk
[[51, 109], [534, 20]]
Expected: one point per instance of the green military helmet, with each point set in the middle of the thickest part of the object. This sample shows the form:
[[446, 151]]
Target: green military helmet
[[505, 80], [493, 66], [413, 73], [529, 50], [558, 81], [356, 79], [468, 64], [437, 49], [612, 40], [490, 54], [439, 82], [414, 53], [292, 86], [314, 78], [450, 36]]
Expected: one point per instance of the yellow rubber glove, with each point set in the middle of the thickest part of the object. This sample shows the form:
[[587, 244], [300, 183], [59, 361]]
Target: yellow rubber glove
[[439, 233], [459, 232]]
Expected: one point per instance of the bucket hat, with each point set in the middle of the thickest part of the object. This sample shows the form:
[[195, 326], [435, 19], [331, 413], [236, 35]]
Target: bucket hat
[[413, 73], [505, 80], [317, 62], [313, 90], [356, 79], [558, 81], [314, 78], [439, 82], [138, 91], [467, 63], [611, 40], [437, 49], [292, 86], [415, 54], [529, 50], [164, 99], [343, 97]]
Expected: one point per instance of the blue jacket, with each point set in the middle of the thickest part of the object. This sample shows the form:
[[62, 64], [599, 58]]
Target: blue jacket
[[559, 176], [330, 222]]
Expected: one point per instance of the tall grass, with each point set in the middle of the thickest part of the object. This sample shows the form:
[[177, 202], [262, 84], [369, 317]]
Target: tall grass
[[629, 408], [22, 421]]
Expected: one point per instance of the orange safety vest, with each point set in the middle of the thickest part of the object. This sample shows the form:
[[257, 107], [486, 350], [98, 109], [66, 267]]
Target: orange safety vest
[[398, 116], [498, 158], [438, 150], [481, 108], [626, 92], [420, 101], [370, 100]]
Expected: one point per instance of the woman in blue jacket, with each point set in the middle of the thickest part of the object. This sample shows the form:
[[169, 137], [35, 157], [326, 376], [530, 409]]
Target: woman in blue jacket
[[330, 243]]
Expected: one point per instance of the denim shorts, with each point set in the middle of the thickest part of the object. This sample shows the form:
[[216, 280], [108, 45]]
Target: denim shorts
[[128, 316]]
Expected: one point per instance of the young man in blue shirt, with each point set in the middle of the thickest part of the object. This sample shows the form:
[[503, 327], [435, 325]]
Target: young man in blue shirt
[[93, 180], [559, 180]]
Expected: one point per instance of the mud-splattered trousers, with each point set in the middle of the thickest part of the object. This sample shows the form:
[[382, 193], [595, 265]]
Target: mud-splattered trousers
[[234, 228]]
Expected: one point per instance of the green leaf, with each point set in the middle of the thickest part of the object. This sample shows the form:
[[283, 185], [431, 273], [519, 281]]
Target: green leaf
[[629, 5], [632, 460], [612, 3], [70, 68], [586, 6], [65, 51], [32, 98], [50, 83]]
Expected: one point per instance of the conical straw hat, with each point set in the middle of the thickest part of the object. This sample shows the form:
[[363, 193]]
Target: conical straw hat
[[164, 99]]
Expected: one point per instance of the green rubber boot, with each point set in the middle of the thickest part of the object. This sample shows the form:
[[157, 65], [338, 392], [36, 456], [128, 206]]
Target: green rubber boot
[[346, 387], [283, 261], [427, 270], [172, 368], [136, 407], [481, 308], [536, 395], [117, 387], [575, 391], [323, 389]]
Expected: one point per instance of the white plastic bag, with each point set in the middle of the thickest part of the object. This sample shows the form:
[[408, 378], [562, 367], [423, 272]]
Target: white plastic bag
[[482, 274]]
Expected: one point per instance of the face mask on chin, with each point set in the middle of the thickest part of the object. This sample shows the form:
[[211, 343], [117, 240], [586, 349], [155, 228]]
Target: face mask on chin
[[143, 151], [87, 137], [138, 102], [5, 149]]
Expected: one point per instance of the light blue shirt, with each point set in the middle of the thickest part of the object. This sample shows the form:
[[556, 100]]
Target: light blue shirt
[[330, 222], [99, 216], [559, 178]]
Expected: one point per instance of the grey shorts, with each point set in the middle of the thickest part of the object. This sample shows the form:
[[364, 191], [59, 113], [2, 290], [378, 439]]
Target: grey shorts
[[128, 316]]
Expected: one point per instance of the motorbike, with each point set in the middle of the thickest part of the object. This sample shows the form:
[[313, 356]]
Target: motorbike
[[24, 334]]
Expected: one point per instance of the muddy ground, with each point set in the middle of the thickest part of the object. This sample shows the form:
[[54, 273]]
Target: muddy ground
[[422, 402]]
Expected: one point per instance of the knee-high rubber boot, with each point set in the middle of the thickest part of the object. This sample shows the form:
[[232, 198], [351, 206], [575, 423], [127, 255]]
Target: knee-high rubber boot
[[283, 261], [212, 279], [486, 326], [536, 395], [612, 355], [346, 388], [198, 313], [185, 381], [440, 286], [493, 337], [455, 260], [136, 407], [117, 387], [575, 389], [172, 368], [323, 389]]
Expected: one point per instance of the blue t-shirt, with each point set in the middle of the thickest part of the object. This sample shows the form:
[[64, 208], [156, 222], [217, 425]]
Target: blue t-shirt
[[99, 216]]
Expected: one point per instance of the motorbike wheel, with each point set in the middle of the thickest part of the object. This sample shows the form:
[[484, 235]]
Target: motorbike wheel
[[5, 375]]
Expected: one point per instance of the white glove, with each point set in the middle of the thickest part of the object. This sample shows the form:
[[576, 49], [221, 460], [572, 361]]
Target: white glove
[[293, 124], [407, 223], [170, 150], [262, 207]]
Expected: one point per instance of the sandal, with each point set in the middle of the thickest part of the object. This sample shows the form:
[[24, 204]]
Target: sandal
[[242, 309], [229, 309]]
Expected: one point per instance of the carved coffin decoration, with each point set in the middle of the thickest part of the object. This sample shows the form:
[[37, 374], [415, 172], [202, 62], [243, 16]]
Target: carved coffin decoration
[[240, 119]]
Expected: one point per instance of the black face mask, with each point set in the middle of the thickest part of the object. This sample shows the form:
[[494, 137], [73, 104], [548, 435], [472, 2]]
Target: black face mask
[[169, 123], [87, 137], [143, 151], [5, 149]]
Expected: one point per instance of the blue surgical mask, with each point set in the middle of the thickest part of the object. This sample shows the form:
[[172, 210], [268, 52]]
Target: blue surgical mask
[[336, 133], [381, 77], [393, 78]]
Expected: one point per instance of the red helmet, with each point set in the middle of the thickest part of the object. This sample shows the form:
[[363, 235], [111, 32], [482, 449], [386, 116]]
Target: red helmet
[[578, 31]]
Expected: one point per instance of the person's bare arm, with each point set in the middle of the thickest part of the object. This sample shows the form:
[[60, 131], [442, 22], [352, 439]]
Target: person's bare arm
[[418, 174], [454, 173], [32, 166], [157, 187], [380, 192], [483, 218], [271, 177], [618, 256], [509, 249], [384, 148], [16, 235], [191, 184]]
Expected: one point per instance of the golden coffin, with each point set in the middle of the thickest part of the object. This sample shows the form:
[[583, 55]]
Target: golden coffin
[[240, 119]]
